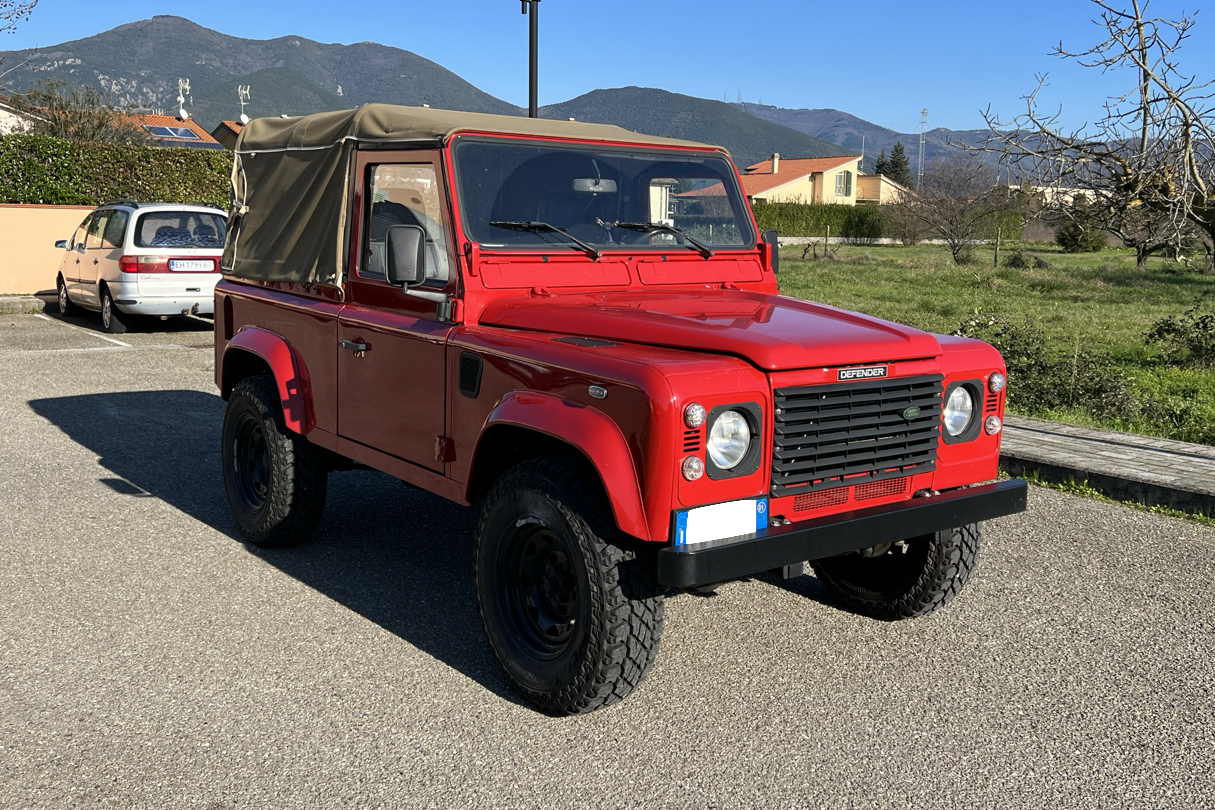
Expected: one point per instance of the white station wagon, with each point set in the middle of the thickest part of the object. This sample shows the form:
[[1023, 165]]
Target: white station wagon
[[129, 258]]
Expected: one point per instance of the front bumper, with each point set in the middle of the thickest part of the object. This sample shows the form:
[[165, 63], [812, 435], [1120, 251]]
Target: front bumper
[[708, 563]]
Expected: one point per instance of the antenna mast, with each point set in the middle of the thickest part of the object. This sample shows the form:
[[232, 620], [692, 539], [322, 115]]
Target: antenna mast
[[183, 90], [242, 92], [919, 169]]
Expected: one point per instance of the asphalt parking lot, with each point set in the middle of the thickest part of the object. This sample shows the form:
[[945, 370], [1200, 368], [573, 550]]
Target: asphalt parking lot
[[150, 659]]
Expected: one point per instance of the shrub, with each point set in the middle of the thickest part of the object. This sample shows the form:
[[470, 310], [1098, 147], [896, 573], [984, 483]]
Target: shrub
[[1040, 381], [1188, 338], [1074, 238], [38, 169]]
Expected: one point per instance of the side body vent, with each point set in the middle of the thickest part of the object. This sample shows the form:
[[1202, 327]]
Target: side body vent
[[471, 366]]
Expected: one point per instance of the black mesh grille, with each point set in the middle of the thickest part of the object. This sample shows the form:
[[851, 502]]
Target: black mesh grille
[[470, 374], [827, 432]]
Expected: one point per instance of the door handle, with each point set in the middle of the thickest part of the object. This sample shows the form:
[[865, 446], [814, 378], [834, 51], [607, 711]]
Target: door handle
[[94, 261], [359, 349]]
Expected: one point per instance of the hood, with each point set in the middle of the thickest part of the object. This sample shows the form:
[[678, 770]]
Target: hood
[[772, 332]]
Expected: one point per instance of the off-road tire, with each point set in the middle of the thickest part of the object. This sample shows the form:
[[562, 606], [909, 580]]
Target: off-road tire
[[901, 585], [112, 318], [617, 610], [66, 308], [277, 498]]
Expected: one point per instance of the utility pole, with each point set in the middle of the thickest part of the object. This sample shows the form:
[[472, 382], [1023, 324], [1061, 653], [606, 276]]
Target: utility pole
[[533, 106], [919, 169]]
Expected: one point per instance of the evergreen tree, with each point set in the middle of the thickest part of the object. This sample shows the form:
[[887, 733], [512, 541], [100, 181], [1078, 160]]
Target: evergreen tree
[[898, 168], [882, 166]]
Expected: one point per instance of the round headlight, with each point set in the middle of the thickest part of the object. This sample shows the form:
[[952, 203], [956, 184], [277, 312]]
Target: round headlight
[[729, 439], [996, 382], [958, 411], [694, 415]]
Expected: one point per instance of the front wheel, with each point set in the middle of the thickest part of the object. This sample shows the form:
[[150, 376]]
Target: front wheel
[[573, 619], [904, 580], [275, 480], [66, 307]]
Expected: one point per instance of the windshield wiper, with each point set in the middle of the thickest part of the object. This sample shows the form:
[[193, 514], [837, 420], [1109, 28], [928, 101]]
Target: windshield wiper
[[536, 227], [650, 227]]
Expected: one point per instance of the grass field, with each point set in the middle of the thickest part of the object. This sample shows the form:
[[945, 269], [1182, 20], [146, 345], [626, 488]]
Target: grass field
[[1092, 312]]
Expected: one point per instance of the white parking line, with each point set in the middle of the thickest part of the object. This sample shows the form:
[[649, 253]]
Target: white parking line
[[93, 349], [82, 329]]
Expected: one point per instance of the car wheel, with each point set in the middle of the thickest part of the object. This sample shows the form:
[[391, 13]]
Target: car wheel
[[112, 318], [904, 580], [275, 480], [573, 619], [66, 307]]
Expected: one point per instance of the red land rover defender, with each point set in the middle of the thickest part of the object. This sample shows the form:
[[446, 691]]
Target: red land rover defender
[[578, 329]]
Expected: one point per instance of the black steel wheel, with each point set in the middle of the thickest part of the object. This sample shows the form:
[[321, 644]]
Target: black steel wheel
[[573, 618], [275, 480], [66, 307], [895, 581]]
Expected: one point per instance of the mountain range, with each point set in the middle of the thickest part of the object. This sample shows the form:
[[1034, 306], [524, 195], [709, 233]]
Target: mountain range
[[140, 63]]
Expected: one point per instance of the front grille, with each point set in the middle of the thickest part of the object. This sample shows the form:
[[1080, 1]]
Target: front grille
[[831, 435]]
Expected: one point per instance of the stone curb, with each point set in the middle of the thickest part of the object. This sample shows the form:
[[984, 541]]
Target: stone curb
[[1122, 466], [22, 305]]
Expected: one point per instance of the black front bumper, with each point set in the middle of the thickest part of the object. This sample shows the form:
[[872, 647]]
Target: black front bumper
[[838, 534]]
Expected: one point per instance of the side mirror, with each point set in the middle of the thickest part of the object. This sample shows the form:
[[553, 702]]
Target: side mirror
[[405, 255], [771, 238], [61, 244]]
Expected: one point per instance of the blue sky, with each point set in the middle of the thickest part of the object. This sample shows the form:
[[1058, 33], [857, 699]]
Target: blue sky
[[882, 61]]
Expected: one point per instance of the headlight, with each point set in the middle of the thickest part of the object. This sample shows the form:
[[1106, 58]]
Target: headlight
[[996, 383], [729, 439], [959, 410]]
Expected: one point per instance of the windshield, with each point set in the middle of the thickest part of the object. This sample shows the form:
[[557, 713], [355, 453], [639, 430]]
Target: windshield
[[512, 191], [181, 229]]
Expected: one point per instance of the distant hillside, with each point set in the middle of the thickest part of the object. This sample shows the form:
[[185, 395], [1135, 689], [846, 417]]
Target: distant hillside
[[141, 62], [275, 91], [848, 131], [658, 112]]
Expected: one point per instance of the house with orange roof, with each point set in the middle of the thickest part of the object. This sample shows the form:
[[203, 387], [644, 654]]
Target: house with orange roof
[[804, 180], [227, 132], [166, 130]]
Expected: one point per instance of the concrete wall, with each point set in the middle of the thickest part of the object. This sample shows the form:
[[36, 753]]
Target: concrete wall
[[29, 260]]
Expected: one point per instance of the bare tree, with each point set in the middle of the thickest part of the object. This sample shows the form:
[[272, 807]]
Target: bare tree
[[13, 12], [957, 204], [79, 114], [1148, 163]]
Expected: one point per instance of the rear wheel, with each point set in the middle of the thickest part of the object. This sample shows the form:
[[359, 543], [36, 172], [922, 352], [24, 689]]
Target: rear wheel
[[573, 619], [276, 481], [66, 307], [904, 580], [112, 319]]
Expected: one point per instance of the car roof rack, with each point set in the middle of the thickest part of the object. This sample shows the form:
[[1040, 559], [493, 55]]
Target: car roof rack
[[131, 203]]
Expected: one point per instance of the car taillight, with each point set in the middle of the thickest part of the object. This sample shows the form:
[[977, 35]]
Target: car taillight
[[143, 264]]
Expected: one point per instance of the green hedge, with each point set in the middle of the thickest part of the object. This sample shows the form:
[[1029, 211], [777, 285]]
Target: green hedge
[[858, 222], [37, 169], [800, 219]]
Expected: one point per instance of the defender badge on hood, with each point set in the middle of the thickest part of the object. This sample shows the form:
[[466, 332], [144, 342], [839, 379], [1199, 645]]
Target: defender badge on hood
[[870, 373]]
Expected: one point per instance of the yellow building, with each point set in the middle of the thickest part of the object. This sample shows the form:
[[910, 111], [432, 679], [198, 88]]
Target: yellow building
[[878, 189], [804, 180]]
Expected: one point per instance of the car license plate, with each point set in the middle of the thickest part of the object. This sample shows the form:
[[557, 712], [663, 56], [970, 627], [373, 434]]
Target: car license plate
[[720, 521], [191, 265]]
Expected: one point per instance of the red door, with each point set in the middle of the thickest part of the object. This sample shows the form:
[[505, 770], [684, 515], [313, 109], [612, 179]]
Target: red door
[[392, 346]]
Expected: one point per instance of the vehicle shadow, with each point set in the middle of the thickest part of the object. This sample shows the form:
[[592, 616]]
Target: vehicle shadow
[[399, 557], [174, 324]]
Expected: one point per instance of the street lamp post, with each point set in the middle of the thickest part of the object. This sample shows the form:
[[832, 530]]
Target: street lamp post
[[533, 109]]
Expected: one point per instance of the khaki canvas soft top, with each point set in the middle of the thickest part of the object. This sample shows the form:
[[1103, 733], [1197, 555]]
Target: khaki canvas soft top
[[290, 178]]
